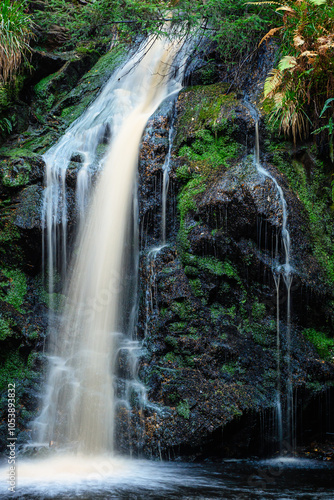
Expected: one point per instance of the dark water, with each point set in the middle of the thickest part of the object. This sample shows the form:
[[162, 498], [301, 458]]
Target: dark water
[[286, 479]]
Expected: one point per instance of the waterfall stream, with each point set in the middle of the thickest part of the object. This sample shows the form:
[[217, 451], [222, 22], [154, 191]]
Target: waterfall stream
[[286, 271], [79, 404]]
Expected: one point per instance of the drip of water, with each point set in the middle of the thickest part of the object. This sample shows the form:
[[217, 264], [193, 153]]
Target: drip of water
[[79, 403], [151, 291], [286, 270], [165, 180]]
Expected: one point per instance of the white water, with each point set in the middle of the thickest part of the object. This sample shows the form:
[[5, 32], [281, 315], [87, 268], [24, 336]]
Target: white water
[[165, 180], [79, 404], [286, 270]]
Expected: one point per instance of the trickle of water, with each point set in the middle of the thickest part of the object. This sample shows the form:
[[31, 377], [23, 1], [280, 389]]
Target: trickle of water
[[151, 291], [79, 403], [165, 180], [286, 271]]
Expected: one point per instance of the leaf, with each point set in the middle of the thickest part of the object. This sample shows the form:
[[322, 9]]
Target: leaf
[[272, 82], [287, 62], [262, 3], [326, 106], [298, 41], [270, 34], [310, 54], [286, 8], [318, 2], [325, 127]]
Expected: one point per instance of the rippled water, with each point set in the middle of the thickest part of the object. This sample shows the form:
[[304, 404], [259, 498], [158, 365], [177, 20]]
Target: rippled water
[[104, 477]]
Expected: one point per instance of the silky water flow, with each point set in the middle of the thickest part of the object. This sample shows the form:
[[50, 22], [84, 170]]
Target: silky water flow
[[79, 403], [285, 431]]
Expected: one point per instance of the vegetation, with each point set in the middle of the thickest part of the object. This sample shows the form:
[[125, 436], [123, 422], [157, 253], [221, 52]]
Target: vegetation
[[298, 93], [15, 35], [323, 344]]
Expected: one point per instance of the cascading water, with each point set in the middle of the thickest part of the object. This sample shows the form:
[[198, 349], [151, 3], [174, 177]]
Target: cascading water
[[79, 404], [278, 270], [165, 180]]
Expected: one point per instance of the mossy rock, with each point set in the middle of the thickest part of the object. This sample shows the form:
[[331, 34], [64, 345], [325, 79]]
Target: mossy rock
[[78, 99], [204, 107]]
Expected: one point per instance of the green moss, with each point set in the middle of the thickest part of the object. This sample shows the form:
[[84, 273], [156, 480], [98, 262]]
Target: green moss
[[172, 341], [262, 335], [196, 287], [17, 288], [174, 359], [184, 310], [217, 311], [12, 370], [85, 92], [5, 330], [232, 368], [315, 192], [9, 235], [183, 409], [191, 270], [206, 151], [258, 311], [323, 344], [204, 107], [178, 327]]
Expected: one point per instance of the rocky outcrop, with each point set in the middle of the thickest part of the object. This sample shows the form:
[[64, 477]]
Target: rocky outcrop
[[209, 304]]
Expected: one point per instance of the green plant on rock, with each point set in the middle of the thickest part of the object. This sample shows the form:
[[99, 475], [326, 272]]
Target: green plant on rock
[[14, 293], [296, 91], [183, 409], [15, 34], [323, 344]]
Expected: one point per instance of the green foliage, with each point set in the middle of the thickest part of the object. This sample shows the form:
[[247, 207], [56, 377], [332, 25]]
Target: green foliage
[[178, 327], [196, 287], [15, 34], [172, 341], [183, 409], [233, 25], [258, 311], [6, 126], [5, 330], [232, 368], [208, 150], [303, 83], [262, 334], [183, 309], [13, 369], [15, 293], [99, 20], [323, 344], [316, 195]]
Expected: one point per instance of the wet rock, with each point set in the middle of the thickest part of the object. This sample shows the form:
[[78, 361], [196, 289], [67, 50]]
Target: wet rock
[[28, 207], [209, 304]]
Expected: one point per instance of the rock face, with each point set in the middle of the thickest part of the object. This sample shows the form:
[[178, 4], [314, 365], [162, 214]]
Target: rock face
[[209, 303]]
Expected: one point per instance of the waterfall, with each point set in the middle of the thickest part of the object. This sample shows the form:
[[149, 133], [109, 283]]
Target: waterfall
[[79, 403], [278, 270]]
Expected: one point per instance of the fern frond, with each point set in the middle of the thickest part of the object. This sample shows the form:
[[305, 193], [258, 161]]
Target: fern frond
[[298, 41], [287, 62], [272, 82], [262, 3], [270, 34], [286, 8]]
